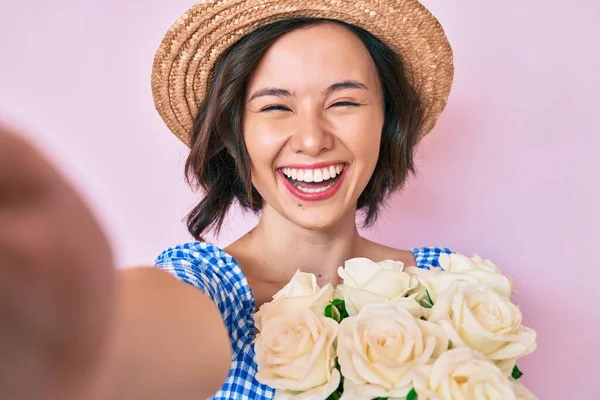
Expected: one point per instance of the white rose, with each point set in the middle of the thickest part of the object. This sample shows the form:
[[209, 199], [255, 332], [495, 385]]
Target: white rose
[[424, 284], [428, 284], [302, 292], [522, 393], [478, 317], [456, 262], [366, 282], [474, 269], [411, 305], [295, 355], [462, 374], [379, 348]]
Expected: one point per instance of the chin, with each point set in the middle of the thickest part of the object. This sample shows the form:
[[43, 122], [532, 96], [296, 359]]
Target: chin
[[316, 219]]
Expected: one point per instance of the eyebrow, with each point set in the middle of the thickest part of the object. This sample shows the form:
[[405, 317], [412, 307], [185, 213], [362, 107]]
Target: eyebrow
[[336, 87], [270, 91], [348, 84]]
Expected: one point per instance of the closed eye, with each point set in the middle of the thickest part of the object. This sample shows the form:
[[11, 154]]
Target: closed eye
[[277, 107], [345, 104]]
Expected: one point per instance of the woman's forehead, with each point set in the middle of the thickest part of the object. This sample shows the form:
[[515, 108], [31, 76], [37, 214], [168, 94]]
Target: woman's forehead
[[315, 56]]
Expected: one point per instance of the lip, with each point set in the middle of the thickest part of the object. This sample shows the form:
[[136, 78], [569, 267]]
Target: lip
[[314, 165], [314, 196]]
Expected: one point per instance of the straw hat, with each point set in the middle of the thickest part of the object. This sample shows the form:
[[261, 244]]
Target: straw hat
[[193, 45]]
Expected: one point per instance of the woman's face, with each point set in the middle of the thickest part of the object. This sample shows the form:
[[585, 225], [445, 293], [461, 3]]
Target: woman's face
[[312, 124]]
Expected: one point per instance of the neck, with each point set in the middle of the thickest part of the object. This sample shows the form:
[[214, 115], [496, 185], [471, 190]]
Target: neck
[[286, 247]]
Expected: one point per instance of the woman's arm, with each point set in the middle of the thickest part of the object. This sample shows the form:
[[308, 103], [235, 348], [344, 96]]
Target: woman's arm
[[71, 325], [168, 340]]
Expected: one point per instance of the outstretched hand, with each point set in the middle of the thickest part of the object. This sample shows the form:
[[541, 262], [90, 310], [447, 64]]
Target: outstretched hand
[[56, 281]]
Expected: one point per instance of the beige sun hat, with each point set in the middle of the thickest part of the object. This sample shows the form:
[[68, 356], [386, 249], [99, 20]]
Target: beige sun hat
[[195, 42]]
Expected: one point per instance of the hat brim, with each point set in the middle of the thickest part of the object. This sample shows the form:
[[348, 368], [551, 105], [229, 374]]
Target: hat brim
[[197, 40]]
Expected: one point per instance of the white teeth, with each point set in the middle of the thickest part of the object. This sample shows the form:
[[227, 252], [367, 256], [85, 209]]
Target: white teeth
[[308, 175], [319, 190], [313, 175], [318, 175]]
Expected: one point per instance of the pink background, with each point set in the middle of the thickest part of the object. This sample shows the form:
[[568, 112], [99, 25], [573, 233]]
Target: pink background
[[510, 172]]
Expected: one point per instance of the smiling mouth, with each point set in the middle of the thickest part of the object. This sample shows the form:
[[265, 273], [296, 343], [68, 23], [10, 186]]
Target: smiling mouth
[[313, 180]]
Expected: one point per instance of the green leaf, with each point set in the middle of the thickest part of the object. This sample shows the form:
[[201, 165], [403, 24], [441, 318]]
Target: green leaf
[[333, 313], [344, 312], [337, 363], [337, 302], [516, 373], [412, 395], [334, 396], [429, 297], [425, 303], [340, 389], [341, 307], [329, 311]]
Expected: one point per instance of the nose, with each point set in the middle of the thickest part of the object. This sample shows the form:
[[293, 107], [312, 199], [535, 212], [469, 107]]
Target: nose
[[312, 136]]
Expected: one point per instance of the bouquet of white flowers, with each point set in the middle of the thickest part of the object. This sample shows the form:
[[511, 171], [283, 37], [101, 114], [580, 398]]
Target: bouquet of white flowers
[[395, 332]]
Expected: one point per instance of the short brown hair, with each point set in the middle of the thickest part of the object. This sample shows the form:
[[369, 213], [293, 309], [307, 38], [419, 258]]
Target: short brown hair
[[219, 162]]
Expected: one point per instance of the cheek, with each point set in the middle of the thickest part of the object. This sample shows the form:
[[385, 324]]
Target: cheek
[[362, 137], [263, 142]]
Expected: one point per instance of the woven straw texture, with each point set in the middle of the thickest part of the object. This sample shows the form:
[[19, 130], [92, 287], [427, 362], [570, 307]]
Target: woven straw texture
[[195, 42]]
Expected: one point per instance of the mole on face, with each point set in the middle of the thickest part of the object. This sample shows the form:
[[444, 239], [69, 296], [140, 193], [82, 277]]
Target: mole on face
[[299, 205]]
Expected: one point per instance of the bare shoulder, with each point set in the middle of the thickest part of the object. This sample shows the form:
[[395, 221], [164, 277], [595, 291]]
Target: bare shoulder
[[378, 252]]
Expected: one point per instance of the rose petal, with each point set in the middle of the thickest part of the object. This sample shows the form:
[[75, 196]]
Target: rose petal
[[317, 302], [358, 271], [351, 392], [525, 345], [409, 304], [391, 265], [389, 284], [356, 299], [368, 392], [318, 393], [522, 392]]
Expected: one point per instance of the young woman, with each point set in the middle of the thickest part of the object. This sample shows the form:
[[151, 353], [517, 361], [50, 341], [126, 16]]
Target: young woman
[[306, 112]]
